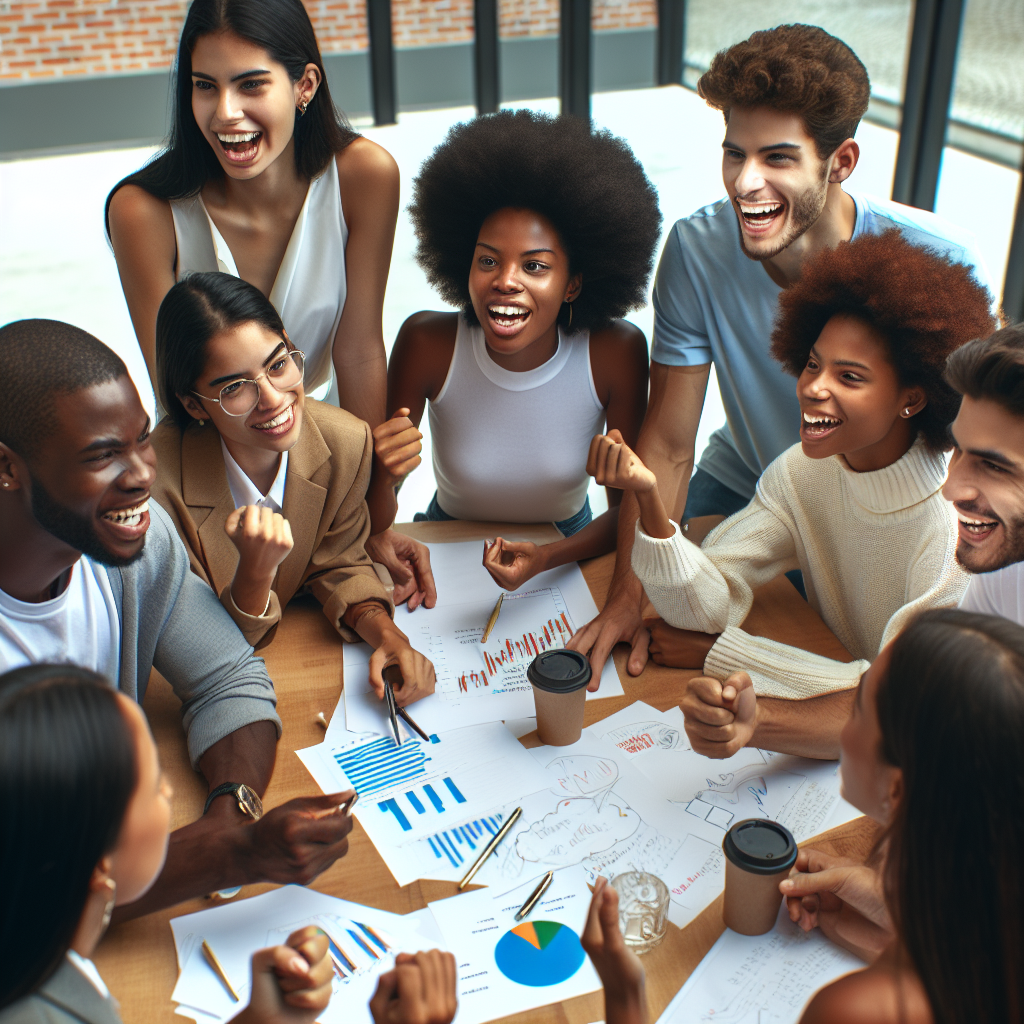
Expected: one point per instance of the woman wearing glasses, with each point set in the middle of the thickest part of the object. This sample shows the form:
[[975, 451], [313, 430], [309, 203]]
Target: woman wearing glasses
[[266, 487]]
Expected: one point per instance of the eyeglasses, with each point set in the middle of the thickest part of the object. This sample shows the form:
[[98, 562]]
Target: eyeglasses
[[240, 397]]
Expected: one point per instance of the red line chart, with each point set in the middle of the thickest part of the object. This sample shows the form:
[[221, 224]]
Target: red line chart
[[553, 634]]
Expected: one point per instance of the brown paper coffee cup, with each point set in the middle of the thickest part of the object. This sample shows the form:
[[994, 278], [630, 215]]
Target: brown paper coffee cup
[[758, 855], [559, 681]]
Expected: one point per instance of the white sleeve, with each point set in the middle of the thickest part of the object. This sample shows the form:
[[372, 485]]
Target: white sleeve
[[977, 599], [711, 587]]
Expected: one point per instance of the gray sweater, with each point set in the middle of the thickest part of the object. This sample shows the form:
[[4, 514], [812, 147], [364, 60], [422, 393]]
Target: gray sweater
[[173, 622]]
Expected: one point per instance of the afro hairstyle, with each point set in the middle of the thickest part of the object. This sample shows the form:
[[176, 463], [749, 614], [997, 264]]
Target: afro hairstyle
[[925, 305], [587, 183], [799, 69]]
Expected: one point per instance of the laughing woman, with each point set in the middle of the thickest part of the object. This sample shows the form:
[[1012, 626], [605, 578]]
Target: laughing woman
[[261, 178], [542, 232], [857, 504], [265, 486]]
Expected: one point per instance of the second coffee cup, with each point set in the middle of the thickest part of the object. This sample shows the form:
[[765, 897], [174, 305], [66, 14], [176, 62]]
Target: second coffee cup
[[559, 681], [758, 855]]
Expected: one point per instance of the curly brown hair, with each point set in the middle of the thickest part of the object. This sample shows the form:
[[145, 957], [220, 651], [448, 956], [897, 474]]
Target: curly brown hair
[[923, 303], [800, 69]]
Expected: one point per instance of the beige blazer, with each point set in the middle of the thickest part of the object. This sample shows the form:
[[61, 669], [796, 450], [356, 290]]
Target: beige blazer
[[324, 501]]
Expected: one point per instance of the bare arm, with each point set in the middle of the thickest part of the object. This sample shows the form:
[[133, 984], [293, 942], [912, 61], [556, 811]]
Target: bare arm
[[666, 445], [142, 234]]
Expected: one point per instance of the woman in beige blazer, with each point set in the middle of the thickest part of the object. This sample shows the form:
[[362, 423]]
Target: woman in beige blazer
[[266, 487]]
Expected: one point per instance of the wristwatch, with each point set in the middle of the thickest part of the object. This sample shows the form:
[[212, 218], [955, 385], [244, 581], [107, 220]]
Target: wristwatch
[[248, 800]]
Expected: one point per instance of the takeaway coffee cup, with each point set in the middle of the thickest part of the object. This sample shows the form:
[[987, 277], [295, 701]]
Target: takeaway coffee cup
[[560, 692], [758, 855]]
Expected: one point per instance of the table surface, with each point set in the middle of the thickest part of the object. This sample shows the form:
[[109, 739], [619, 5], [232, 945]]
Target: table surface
[[137, 960]]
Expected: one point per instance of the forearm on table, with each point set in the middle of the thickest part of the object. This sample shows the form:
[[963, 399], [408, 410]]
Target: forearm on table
[[372, 621], [809, 728], [597, 538]]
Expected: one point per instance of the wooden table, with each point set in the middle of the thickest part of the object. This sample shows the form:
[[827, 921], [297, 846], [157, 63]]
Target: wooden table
[[305, 661]]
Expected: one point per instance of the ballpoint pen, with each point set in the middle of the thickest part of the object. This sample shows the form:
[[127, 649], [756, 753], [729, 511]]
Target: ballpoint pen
[[534, 897], [211, 959], [393, 679], [493, 619], [389, 698], [490, 847]]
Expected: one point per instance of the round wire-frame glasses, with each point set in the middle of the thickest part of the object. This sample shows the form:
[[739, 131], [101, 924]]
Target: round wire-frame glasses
[[241, 396]]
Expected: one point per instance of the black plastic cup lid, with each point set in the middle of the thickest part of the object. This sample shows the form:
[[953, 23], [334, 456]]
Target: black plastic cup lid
[[759, 846], [559, 671]]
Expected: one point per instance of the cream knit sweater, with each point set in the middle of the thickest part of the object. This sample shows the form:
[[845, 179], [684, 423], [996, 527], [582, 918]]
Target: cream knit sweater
[[875, 548]]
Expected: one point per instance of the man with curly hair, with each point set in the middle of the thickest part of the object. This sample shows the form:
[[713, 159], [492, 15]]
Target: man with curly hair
[[986, 473], [792, 98], [542, 232], [856, 505]]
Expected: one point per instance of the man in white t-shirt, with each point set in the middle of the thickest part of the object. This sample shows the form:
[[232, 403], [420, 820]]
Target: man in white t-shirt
[[792, 98], [92, 573], [986, 473]]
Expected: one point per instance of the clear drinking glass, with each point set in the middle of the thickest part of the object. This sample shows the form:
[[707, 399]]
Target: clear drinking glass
[[643, 909]]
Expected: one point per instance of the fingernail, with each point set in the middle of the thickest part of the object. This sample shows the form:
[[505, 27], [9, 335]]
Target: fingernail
[[299, 965], [786, 885]]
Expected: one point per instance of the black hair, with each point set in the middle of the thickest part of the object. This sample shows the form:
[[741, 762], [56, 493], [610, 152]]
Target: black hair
[[587, 183], [991, 368], [283, 29], [41, 358], [951, 712], [67, 774], [192, 312]]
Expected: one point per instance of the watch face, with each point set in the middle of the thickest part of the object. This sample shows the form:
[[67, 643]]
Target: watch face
[[249, 802]]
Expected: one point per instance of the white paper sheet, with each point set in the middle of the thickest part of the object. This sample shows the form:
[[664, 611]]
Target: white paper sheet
[[235, 931], [763, 979], [493, 951], [448, 634], [412, 791]]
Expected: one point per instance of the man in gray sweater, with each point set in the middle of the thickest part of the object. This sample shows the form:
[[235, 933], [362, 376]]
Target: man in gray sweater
[[91, 573]]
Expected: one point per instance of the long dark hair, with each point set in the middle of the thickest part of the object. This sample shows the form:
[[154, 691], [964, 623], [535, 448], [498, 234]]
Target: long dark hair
[[67, 773], [193, 311], [952, 718], [283, 29]]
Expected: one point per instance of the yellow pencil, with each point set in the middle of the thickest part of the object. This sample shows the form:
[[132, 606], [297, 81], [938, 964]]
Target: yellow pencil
[[493, 619], [211, 959]]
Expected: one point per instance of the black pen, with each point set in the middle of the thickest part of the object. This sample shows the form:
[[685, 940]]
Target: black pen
[[389, 698], [393, 680]]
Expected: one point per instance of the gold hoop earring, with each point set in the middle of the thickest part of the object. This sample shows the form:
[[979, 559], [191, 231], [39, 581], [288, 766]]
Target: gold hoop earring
[[108, 910], [302, 107]]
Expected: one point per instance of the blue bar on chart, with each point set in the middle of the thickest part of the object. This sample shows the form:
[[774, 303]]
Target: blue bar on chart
[[381, 765], [459, 844], [424, 801]]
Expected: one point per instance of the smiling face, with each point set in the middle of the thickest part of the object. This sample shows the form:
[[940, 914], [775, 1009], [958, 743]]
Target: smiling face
[[519, 279], [248, 351], [245, 103], [141, 849], [986, 485], [776, 181], [868, 782], [851, 399], [89, 483]]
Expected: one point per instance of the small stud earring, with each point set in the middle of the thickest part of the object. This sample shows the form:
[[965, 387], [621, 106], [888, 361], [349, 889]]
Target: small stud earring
[[201, 422], [906, 412], [6, 484]]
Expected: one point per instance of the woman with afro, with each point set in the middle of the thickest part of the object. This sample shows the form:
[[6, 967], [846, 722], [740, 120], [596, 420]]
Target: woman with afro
[[856, 505], [542, 232]]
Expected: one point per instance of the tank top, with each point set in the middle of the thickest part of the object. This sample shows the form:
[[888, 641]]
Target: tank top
[[512, 447], [309, 290]]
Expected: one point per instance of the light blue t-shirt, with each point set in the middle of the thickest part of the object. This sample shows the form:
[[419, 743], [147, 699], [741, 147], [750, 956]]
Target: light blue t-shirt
[[714, 304]]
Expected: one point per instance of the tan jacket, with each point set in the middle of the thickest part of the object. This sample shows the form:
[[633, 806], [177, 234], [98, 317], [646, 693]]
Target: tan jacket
[[324, 501]]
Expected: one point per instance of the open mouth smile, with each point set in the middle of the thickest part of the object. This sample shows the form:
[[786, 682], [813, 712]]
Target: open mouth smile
[[975, 530], [279, 425], [815, 426], [239, 147], [129, 523], [758, 218], [508, 320]]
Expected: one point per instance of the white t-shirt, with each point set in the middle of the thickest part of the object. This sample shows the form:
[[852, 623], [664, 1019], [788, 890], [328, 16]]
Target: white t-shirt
[[997, 593], [80, 625]]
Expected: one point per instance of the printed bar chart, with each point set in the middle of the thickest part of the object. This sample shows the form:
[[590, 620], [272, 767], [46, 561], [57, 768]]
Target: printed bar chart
[[457, 845], [382, 765], [429, 801]]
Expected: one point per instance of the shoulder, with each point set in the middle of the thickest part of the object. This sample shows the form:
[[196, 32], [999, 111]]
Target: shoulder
[[621, 337], [871, 996], [365, 167], [921, 227], [338, 427], [997, 593], [430, 332], [166, 441], [713, 223], [133, 208]]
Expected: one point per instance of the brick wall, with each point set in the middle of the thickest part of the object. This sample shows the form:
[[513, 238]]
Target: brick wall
[[41, 39]]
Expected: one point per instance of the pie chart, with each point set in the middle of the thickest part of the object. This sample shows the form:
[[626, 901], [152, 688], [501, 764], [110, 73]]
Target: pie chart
[[539, 953]]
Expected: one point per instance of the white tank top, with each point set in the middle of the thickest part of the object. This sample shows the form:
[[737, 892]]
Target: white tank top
[[512, 447], [309, 290]]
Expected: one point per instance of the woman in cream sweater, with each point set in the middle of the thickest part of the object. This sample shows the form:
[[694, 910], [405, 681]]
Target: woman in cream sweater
[[856, 506]]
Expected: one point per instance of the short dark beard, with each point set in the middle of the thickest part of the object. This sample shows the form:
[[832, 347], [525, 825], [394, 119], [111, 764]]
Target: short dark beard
[[75, 530], [1011, 552], [807, 208]]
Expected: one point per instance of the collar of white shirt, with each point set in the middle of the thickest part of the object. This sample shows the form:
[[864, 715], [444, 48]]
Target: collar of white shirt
[[88, 968], [245, 492]]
